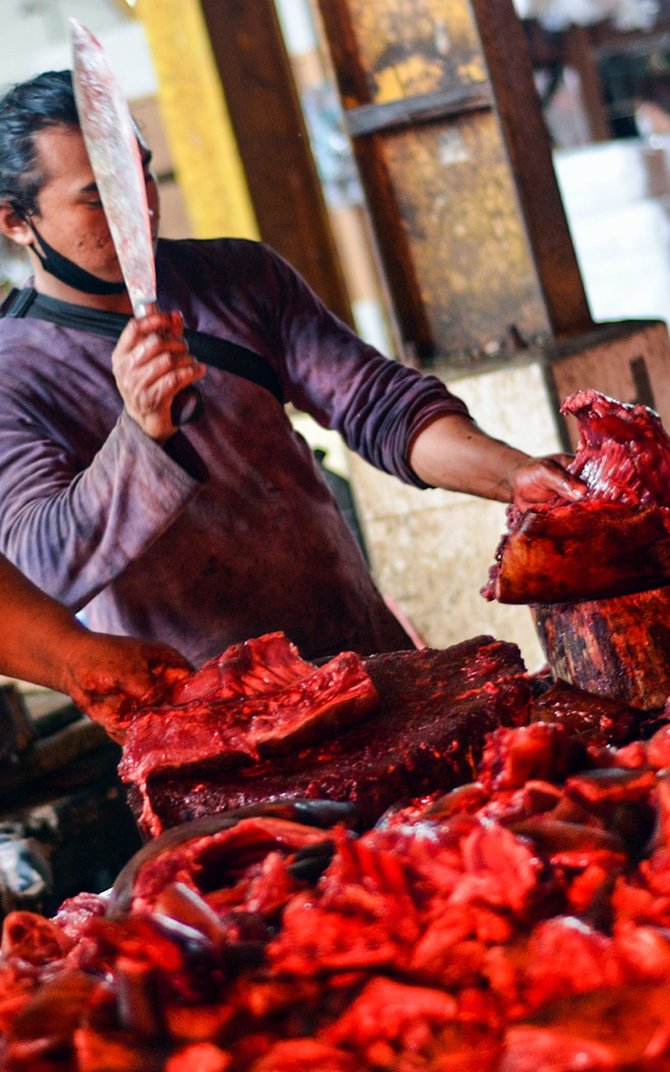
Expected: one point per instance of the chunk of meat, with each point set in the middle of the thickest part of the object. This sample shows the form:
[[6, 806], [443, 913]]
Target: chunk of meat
[[566, 956], [584, 714], [624, 451], [541, 750], [435, 708], [32, 938], [257, 699], [296, 1055], [255, 667], [622, 1028], [203, 860], [616, 540], [393, 1012], [528, 1049]]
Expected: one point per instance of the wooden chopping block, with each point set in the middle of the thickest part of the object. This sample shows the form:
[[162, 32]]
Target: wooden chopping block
[[618, 647]]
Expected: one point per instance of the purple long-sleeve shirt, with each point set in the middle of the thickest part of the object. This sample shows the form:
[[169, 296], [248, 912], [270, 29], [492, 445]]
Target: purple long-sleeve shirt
[[102, 518]]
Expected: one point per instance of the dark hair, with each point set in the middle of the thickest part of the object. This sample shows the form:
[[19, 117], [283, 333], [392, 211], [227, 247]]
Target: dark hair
[[44, 101]]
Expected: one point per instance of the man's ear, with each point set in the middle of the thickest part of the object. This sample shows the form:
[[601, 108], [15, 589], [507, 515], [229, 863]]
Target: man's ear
[[13, 226]]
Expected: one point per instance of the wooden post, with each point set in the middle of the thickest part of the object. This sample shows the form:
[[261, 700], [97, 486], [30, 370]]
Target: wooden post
[[273, 142]]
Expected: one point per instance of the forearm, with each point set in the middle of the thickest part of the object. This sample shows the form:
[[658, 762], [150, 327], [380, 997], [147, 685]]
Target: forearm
[[108, 677], [72, 533], [453, 453], [39, 637]]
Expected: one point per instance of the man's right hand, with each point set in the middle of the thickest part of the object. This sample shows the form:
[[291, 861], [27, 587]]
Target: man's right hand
[[152, 364], [112, 677]]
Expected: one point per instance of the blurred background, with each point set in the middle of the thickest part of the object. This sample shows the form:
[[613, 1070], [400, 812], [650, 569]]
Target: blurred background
[[602, 70]]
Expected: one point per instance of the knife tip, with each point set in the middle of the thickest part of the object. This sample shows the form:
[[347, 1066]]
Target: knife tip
[[80, 34]]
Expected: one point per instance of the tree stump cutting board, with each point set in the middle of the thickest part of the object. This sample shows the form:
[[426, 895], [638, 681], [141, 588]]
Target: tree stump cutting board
[[617, 647]]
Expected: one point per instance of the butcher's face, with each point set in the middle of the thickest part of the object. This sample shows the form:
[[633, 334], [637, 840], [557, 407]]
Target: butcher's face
[[71, 217]]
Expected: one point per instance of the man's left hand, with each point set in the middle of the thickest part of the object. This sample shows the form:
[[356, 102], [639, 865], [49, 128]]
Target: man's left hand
[[537, 480]]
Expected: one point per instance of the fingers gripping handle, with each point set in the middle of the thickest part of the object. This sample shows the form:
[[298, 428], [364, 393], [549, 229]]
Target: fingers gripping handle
[[187, 406]]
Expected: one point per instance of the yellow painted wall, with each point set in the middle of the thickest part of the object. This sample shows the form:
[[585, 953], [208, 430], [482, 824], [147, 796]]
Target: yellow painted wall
[[197, 124]]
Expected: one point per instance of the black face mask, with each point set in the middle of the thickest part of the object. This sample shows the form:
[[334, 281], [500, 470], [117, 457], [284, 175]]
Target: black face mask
[[68, 272]]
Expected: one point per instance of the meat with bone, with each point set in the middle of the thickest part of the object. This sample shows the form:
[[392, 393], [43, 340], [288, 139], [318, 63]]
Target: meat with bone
[[434, 709], [616, 539], [624, 451], [524, 928], [257, 699], [226, 842]]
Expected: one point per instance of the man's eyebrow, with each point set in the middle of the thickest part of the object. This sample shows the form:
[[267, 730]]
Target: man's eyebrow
[[92, 187]]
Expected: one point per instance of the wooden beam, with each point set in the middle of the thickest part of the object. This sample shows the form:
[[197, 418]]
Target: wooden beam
[[579, 54], [273, 141], [371, 118], [529, 151]]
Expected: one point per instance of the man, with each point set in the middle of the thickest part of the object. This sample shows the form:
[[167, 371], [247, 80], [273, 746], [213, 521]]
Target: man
[[224, 530], [106, 676]]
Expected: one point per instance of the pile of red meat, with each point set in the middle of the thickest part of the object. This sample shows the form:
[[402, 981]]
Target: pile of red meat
[[521, 923], [616, 539], [516, 918], [259, 724]]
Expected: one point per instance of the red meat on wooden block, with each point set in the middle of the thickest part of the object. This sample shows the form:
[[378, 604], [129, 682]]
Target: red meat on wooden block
[[426, 733], [616, 540], [257, 699]]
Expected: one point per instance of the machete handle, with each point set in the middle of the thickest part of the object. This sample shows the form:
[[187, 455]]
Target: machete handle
[[187, 407]]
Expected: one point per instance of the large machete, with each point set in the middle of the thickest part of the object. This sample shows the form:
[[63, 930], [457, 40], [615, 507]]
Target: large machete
[[113, 150]]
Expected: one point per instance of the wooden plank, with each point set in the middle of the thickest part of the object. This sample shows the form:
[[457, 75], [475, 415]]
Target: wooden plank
[[16, 730], [529, 149], [371, 118], [53, 753], [273, 142]]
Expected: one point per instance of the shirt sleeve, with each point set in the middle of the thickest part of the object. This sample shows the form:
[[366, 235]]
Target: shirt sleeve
[[72, 531], [377, 404]]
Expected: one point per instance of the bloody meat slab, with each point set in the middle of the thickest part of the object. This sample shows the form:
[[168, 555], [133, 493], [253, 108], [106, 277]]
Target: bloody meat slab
[[616, 540], [381, 729]]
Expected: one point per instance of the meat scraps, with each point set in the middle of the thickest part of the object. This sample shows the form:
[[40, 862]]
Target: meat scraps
[[518, 923], [433, 709], [624, 451], [616, 540], [257, 699]]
